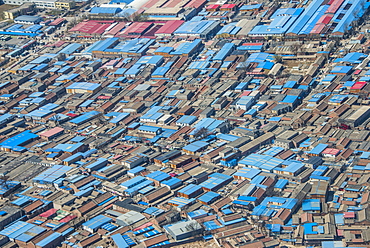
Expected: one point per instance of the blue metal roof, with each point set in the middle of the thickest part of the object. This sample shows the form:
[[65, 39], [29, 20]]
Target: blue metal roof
[[154, 211], [136, 46], [186, 47], [230, 29], [99, 163], [346, 21], [308, 228], [209, 197], [19, 139], [311, 205], [313, 20], [227, 137], [71, 48], [282, 21], [279, 202], [181, 202], [158, 176], [164, 49], [226, 50], [160, 71], [195, 146], [190, 189], [40, 67], [19, 229], [187, 119], [105, 10], [84, 86], [341, 69], [136, 170], [150, 128], [152, 60], [49, 239], [5, 118], [289, 99], [354, 58], [197, 213], [250, 7], [28, 18], [247, 173], [96, 222], [52, 174], [119, 117], [134, 181], [305, 17], [101, 45], [172, 182], [84, 117], [194, 27], [317, 150], [211, 225], [281, 183]]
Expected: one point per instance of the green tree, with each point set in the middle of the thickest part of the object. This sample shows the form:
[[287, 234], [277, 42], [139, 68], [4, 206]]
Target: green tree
[[201, 133], [278, 58]]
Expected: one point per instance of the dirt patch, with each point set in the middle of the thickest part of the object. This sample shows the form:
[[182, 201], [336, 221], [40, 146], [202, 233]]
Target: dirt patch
[[199, 244]]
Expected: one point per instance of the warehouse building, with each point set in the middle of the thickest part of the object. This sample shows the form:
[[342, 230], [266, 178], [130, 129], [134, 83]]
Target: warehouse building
[[183, 230], [52, 133], [21, 10], [199, 29], [27, 19], [52, 174], [173, 9], [9, 214], [358, 117], [83, 87], [16, 142], [190, 191]]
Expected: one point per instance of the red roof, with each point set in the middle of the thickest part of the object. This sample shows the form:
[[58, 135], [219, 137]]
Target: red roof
[[349, 215], [228, 6], [325, 19], [143, 226], [213, 6], [72, 115], [171, 4], [317, 29], [136, 28], [91, 27], [195, 4], [246, 93], [357, 72], [56, 44], [68, 218], [104, 97], [149, 4], [56, 22], [334, 6], [48, 213], [117, 28], [52, 132], [252, 44], [331, 151], [169, 27], [117, 157], [358, 85]]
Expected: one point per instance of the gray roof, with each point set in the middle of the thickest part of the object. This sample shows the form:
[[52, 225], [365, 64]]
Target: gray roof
[[28, 18]]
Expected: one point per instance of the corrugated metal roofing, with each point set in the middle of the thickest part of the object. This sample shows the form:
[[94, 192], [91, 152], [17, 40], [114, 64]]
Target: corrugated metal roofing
[[52, 174]]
